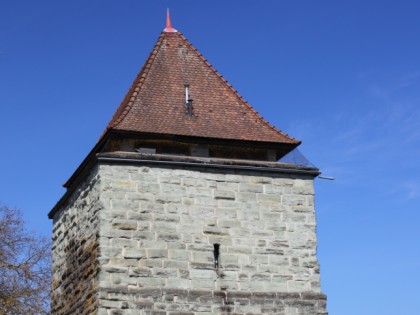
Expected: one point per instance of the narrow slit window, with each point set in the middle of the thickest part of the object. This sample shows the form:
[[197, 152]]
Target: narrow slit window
[[216, 252]]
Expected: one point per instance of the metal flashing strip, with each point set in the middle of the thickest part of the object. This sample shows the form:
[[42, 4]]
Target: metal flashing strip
[[211, 165]]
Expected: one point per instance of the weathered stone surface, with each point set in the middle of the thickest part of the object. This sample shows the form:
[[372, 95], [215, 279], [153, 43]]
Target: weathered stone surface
[[157, 229], [75, 251]]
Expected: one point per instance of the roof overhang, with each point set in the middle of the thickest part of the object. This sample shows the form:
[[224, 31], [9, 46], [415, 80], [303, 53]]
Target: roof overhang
[[175, 161]]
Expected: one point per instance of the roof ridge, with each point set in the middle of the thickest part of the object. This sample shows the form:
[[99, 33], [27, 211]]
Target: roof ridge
[[129, 98], [234, 90]]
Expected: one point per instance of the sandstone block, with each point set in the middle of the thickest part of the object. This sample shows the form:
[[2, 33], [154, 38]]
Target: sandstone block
[[139, 272], [182, 255], [178, 283], [224, 194], [124, 224], [183, 265], [134, 253], [198, 192], [157, 253], [202, 274], [150, 263], [225, 213]]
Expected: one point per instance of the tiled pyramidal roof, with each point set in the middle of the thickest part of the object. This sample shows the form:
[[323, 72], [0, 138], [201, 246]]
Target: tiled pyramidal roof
[[156, 101]]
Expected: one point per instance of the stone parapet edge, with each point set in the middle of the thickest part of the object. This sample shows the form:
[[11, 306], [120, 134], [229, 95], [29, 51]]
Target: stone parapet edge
[[264, 166]]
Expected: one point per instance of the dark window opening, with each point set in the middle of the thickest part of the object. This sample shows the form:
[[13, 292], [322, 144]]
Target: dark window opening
[[216, 252]]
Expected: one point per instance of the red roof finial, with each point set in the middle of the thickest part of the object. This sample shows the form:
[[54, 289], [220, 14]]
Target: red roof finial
[[169, 27]]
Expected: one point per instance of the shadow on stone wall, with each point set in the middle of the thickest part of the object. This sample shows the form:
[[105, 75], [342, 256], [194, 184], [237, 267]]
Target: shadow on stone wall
[[75, 291]]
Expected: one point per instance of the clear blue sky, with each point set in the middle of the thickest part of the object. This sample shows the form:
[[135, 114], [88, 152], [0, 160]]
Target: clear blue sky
[[343, 77]]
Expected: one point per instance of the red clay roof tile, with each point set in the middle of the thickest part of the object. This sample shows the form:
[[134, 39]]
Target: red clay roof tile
[[155, 102]]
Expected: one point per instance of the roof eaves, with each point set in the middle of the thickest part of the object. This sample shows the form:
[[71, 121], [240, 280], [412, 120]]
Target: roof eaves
[[203, 139]]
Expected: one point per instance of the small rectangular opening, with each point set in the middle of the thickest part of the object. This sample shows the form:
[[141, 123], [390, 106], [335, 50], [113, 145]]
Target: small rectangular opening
[[216, 252], [146, 150]]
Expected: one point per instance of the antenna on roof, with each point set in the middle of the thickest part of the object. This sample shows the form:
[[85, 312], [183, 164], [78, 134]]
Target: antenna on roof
[[188, 100], [169, 28], [187, 93], [326, 177]]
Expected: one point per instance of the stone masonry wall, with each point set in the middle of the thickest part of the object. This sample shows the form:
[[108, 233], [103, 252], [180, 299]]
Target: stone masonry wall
[[157, 233], [162, 301], [75, 249]]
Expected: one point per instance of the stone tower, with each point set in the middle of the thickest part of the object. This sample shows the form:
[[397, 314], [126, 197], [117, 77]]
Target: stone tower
[[181, 207]]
